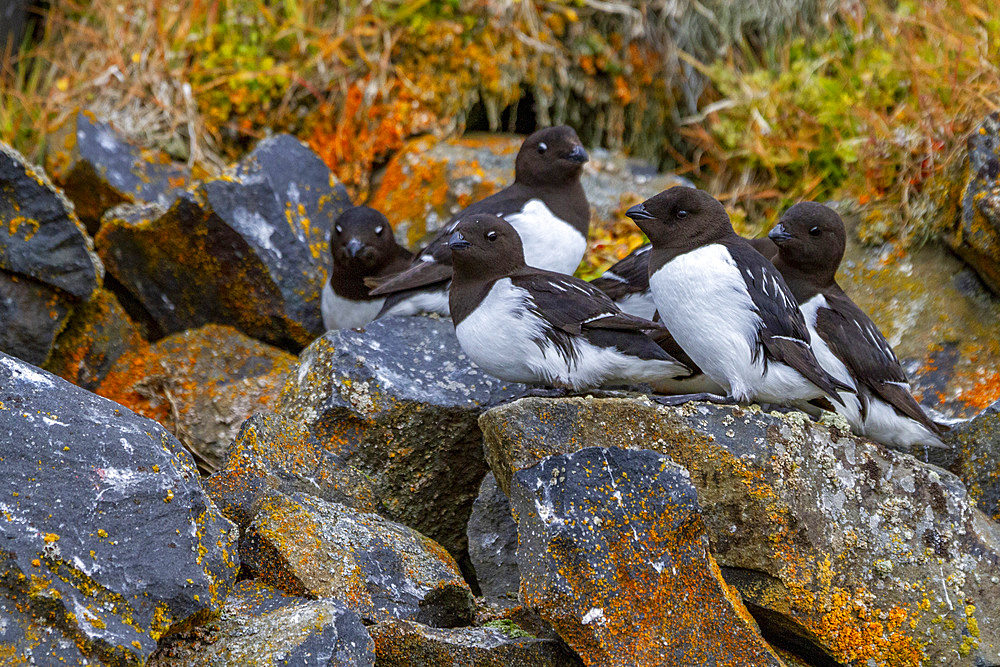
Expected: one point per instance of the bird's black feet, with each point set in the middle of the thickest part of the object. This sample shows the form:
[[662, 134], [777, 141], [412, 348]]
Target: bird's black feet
[[681, 399]]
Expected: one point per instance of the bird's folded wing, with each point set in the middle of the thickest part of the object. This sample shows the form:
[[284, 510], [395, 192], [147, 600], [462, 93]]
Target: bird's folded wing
[[629, 276], [420, 274]]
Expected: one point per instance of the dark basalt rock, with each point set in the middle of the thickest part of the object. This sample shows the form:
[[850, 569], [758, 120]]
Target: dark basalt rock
[[399, 401], [108, 537], [31, 316], [613, 552], [247, 249], [263, 627], [492, 536], [306, 546], [975, 449], [98, 169]]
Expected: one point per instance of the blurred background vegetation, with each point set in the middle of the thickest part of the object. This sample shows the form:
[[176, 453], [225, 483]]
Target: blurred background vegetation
[[763, 102]]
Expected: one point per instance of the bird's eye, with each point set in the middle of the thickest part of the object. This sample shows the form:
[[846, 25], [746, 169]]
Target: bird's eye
[[491, 236], [378, 230], [542, 147], [339, 229], [681, 214], [814, 231]]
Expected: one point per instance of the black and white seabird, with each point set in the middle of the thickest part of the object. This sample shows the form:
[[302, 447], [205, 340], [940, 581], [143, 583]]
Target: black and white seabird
[[523, 324], [627, 282], [726, 305], [546, 205], [361, 246], [811, 239]]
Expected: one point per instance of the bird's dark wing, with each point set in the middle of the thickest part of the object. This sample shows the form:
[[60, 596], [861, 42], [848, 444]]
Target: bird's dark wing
[[783, 334], [420, 274], [572, 304], [629, 276], [855, 340]]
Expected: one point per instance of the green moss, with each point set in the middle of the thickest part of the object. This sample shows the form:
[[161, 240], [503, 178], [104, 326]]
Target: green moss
[[509, 628]]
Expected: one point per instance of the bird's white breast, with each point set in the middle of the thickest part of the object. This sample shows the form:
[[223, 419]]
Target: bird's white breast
[[341, 313], [550, 243], [831, 363]]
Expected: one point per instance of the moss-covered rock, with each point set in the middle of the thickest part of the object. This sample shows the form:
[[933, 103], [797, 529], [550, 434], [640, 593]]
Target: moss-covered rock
[[409, 644], [975, 458], [262, 627], [98, 169], [201, 384], [841, 548], [247, 249], [306, 546], [614, 553]]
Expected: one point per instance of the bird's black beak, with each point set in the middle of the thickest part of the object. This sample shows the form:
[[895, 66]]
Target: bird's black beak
[[639, 212], [353, 247], [456, 241], [578, 154], [779, 235]]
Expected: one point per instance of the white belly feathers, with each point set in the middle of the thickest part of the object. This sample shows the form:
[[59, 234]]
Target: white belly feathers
[[549, 242]]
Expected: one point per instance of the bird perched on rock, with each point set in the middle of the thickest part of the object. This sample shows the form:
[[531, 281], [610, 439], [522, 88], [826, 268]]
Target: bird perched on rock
[[546, 206], [361, 246], [524, 324], [811, 241], [627, 282], [726, 305]]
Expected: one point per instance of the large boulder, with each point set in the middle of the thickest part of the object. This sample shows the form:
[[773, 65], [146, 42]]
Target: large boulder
[[108, 540], [399, 401], [275, 453], [98, 169], [247, 249], [47, 261], [843, 550], [201, 384], [409, 644], [304, 545], [97, 334], [973, 456], [263, 627], [614, 553], [492, 535]]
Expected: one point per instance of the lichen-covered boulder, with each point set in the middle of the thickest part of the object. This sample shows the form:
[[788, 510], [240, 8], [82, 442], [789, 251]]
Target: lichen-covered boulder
[[492, 536], [304, 545], [614, 554], [843, 550], [975, 458], [275, 453], [263, 627], [98, 169], [399, 401], [408, 644], [107, 535], [201, 384], [428, 181], [97, 334], [247, 249], [47, 261], [976, 235]]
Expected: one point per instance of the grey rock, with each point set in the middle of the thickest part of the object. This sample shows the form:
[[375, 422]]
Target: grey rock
[[108, 535], [409, 644], [98, 169], [247, 249], [262, 627], [975, 450], [399, 401], [492, 536], [614, 554], [31, 316], [822, 532], [306, 546]]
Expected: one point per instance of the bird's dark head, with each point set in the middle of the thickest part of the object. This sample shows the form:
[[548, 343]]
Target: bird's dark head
[[550, 156], [681, 217], [361, 240], [810, 239], [485, 246]]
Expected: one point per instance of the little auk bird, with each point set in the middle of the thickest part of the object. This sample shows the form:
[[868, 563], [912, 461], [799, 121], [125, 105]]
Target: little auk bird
[[523, 324], [361, 246], [726, 305], [627, 282], [546, 206], [811, 239]]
